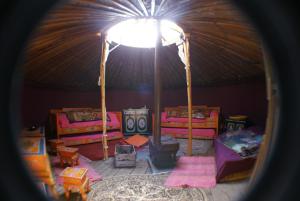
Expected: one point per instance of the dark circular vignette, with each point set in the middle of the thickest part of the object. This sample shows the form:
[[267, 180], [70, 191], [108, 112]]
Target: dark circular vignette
[[277, 22], [278, 25]]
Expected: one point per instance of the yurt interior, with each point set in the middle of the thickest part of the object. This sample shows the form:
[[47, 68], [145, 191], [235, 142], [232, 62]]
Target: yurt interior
[[144, 100]]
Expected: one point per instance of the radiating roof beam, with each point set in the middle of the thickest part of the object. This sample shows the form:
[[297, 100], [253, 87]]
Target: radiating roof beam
[[152, 7], [160, 6], [143, 7]]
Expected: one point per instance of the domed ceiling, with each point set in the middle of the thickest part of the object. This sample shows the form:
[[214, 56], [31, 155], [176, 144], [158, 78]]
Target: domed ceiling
[[65, 49]]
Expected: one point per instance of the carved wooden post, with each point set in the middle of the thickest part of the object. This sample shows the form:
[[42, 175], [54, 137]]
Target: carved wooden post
[[189, 92], [103, 105]]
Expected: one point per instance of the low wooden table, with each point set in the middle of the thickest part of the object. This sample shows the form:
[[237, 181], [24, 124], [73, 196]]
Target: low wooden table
[[68, 155], [54, 144], [75, 180]]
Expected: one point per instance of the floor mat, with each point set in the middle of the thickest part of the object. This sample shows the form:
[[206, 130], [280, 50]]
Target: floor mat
[[193, 171], [94, 151]]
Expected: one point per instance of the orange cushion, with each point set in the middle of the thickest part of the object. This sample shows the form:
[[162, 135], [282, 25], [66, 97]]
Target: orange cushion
[[137, 140]]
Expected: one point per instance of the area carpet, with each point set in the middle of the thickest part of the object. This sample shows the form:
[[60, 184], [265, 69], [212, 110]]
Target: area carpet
[[83, 163], [193, 171], [142, 188], [94, 151]]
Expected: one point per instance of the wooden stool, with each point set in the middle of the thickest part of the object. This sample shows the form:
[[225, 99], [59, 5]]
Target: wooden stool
[[54, 144], [75, 180], [68, 155]]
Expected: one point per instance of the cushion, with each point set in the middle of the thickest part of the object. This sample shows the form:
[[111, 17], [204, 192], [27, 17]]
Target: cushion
[[83, 116], [137, 140]]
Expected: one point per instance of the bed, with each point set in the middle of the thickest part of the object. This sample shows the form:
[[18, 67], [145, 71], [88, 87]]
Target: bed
[[205, 126], [75, 133], [231, 164]]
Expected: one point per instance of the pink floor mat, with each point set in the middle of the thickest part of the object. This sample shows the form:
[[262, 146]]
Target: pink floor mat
[[83, 163], [193, 171]]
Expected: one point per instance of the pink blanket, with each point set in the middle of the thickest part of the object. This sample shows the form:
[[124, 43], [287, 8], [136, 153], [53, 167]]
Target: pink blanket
[[164, 118], [64, 122], [193, 171], [183, 132]]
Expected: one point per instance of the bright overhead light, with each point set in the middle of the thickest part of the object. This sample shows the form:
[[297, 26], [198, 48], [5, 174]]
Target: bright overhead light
[[142, 33]]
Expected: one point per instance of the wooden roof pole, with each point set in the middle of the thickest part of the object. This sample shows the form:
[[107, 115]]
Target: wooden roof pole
[[103, 105], [157, 89], [186, 47]]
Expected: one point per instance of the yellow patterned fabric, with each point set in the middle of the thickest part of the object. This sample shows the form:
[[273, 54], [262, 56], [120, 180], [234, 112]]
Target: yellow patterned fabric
[[74, 172]]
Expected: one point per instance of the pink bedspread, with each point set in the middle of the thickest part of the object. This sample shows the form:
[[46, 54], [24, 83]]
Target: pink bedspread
[[184, 120], [64, 122], [183, 132]]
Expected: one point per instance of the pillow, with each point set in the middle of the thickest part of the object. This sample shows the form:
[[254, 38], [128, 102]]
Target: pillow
[[83, 116], [137, 140]]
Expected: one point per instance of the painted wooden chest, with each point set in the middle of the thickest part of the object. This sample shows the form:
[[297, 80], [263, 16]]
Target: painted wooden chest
[[75, 176]]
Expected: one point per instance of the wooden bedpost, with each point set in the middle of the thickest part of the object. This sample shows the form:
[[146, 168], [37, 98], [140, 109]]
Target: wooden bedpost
[[189, 92], [103, 105]]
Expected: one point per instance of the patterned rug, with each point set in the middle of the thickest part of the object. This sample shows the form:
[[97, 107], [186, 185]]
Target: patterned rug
[[141, 188]]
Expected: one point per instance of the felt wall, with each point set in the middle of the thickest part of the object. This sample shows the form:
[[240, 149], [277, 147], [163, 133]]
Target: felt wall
[[247, 98]]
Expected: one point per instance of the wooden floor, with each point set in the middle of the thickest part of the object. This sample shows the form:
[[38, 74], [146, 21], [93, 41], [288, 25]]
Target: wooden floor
[[222, 192]]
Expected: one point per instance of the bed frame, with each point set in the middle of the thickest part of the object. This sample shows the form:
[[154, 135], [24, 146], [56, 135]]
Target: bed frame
[[230, 166], [210, 122], [54, 120]]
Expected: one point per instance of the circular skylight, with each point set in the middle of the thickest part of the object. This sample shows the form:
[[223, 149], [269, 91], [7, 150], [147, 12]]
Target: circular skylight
[[142, 33]]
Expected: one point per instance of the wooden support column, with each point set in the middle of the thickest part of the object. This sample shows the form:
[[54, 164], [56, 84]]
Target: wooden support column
[[189, 92], [157, 89], [103, 105]]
